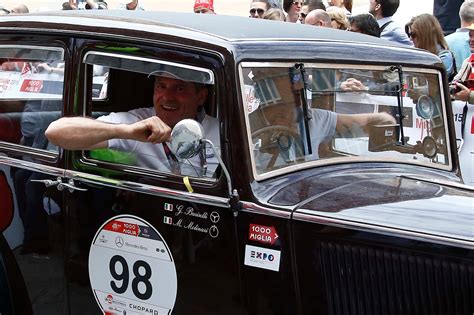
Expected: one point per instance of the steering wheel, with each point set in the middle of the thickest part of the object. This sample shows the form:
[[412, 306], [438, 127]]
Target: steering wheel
[[278, 139]]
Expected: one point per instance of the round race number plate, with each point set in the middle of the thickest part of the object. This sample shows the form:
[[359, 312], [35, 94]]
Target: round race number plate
[[131, 269]]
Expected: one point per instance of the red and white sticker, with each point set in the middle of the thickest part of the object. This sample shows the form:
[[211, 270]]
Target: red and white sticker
[[263, 234], [131, 268]]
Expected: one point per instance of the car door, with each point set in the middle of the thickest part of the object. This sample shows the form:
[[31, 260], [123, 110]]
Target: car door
[[32, 94], [140, 237]]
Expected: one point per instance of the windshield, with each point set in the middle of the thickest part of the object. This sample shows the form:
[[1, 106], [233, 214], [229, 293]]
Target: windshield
[[307, 113]]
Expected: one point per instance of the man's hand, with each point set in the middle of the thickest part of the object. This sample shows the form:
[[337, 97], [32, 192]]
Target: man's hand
[[152, 130], [463, 94], [352, 84], [381, 119]]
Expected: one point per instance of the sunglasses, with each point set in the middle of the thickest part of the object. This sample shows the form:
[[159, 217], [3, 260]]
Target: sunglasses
[[411, 34], [259, 11], [303, 15], [203, 11], [297, 3]]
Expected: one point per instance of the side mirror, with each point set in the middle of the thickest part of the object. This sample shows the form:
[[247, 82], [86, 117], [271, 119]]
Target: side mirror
[[187, 140]]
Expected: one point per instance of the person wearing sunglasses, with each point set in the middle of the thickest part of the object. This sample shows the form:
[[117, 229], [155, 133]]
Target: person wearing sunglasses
[[426, 33], [292, 9], [258, 9]]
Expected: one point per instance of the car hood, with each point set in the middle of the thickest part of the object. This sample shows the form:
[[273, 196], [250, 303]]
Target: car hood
[[392, 198]]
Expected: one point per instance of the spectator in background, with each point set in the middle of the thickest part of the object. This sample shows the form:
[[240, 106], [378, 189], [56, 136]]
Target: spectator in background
[[365, 24], [258, 9], [204, 6], [315, 5], [275, 15], [383, 11], [19, 9], [341, 4], [318, 17], [338, 18], [292, 9], [69, 6], [426, 33], [465, 90], [458, 42], [132, 5], [304, 12], [446, 11], [95, 5]]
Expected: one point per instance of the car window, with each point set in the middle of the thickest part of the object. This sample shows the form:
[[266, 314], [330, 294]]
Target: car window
[[31, 94], [295, 115], [131, 82]]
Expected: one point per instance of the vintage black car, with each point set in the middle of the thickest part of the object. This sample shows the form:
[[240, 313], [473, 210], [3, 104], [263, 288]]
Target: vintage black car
[[279, 209]]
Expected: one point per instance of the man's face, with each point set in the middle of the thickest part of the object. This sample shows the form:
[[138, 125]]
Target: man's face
[[471, 41], [175, 100], [257, 9], [372, 5]]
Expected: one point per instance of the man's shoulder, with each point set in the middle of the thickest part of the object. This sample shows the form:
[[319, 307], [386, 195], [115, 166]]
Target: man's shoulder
[[456, 36]]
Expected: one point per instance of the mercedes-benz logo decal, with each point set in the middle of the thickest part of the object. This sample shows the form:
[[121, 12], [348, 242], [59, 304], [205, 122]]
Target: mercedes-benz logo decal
[[119, 241], [215, 217]]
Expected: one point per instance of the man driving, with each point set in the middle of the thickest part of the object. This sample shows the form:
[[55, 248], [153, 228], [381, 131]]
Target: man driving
[[144, 131]]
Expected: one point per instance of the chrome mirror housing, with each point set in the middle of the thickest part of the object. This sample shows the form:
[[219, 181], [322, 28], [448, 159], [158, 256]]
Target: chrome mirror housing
[[186, 138]]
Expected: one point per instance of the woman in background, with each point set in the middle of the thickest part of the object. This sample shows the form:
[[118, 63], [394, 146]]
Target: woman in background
[[426, 33], [292, 9], [338, 18], [274, 14]]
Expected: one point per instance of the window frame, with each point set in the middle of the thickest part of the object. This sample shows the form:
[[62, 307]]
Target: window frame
[[338, 160], [118, 168], [19, 150]]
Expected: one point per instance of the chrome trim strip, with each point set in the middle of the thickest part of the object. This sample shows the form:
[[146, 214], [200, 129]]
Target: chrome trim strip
[[149, 189], [32, 166], [254, 208], [155, 61], [382, 229], [35, 153], [441, 182]]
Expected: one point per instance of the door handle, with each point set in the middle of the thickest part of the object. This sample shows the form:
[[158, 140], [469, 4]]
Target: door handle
[[60, 185], [48, 182], [70, 185]]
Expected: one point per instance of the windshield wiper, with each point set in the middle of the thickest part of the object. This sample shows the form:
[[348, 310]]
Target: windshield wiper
[[399, 90], [300, 86]]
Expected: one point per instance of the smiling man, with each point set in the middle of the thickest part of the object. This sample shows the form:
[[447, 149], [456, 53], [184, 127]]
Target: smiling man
[[141, 130]]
